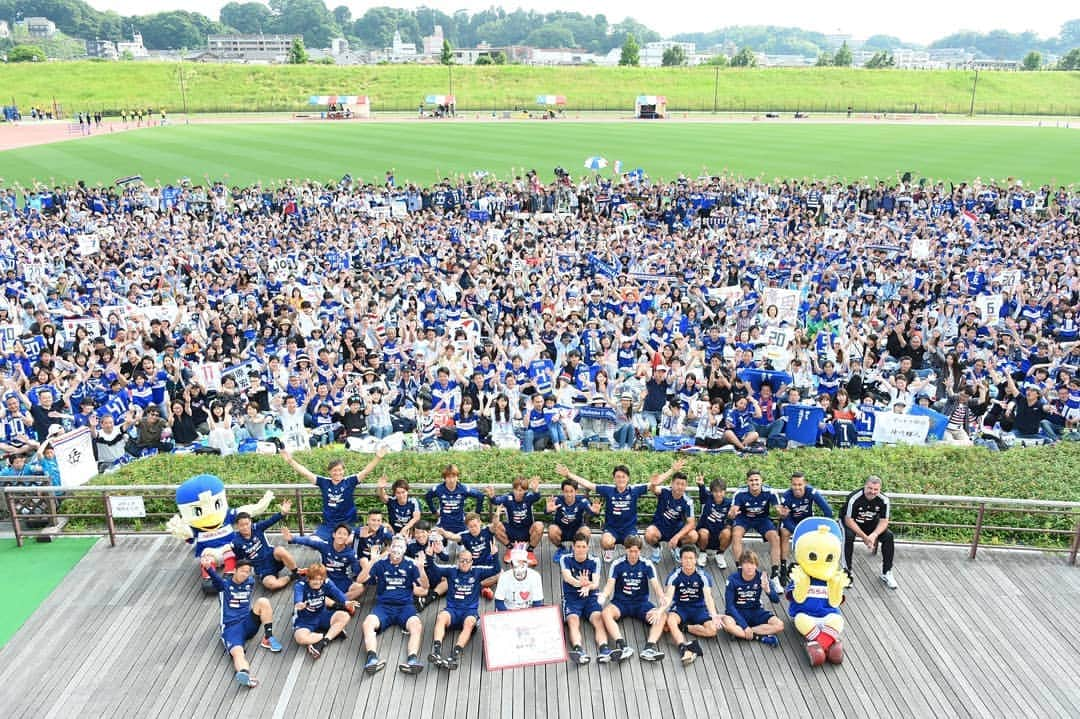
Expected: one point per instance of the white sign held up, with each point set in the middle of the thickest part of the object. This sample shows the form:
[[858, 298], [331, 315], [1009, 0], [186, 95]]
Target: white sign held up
[[75, 457], [523, 638], [892, 428]]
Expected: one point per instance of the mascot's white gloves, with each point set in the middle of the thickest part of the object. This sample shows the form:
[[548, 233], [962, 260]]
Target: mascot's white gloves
[[179, 528]]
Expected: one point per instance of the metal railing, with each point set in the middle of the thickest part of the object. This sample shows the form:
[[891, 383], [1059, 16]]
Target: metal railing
[[987, 514]]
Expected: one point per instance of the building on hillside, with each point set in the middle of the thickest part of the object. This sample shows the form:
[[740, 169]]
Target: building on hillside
[[766, 60], [559, 56], [40, 27], [339, 46], [101, 49], [947, 57], [433, 43], [249, 48], [135, 47], [402, 51], [652, 54], [994, 65]]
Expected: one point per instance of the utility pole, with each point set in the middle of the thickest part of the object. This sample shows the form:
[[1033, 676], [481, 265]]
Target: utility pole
[[971, 110], [715, 89], [183, 90]]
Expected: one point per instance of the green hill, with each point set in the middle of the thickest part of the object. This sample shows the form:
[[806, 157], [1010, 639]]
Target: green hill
[[232, 88]]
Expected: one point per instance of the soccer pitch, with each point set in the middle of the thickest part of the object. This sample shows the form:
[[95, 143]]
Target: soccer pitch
[[423, 151]]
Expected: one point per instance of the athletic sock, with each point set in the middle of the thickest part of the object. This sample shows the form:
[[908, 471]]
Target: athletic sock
[[620, 644], [371, 655], [458, 649], [775, 571], [576, 648], [412, 658], [436, 647], [268, 629], [321, 644], [650, 645]]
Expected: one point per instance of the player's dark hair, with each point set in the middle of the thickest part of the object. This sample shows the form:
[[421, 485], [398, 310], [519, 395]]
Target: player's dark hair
[[620, 468], [243, 563], [400, 484], [752, 471], [568, 483], [423, 526], [632, 541], [334, 463], [581, 536], [678, 475], [344, 526], [373, 512], [798, 474], [687, 549], [718, 485], [242, 515]]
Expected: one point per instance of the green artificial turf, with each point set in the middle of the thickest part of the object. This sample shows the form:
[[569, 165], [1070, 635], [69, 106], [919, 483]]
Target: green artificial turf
[[423, 151], [31, 573]]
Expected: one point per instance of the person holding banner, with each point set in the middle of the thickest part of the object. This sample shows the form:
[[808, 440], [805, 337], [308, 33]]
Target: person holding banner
[[866, 517]]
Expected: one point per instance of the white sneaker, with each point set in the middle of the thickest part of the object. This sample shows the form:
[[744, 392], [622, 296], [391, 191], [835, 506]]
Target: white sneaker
[[609, 555], [775, 585], [887, 578], [721, 562], [703, 560]]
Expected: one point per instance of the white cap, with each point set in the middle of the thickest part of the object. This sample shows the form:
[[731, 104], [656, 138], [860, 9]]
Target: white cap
[[518, 556]]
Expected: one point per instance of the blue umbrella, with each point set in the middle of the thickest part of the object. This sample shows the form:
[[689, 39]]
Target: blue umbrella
[[595, 163]]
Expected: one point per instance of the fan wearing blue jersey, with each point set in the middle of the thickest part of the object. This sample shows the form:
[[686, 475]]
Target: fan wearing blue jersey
[[520, 526], [338, 491], [570, 512], [673, 522], [402, 511], [688, 601], [744, 616], [713, 526], [629, 581], [750, 511], [316, 622], [241, 617], [580, 582], [796, 504], [251, 544], [450, 496], [462, 611], [394, 577]]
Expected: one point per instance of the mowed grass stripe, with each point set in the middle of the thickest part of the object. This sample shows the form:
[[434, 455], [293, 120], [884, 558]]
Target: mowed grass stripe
[[250, 152]]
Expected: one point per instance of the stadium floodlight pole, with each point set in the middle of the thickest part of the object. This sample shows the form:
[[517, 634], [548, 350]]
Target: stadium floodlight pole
[[715, 89], [183, 89], [971, 110]]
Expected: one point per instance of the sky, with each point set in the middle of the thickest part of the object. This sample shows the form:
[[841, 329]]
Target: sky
[[919, 21]]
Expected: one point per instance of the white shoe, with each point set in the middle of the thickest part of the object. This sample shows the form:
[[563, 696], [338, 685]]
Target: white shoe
[[721, 562], [703, 560], [774, 583], [887, 578], [609, 555]]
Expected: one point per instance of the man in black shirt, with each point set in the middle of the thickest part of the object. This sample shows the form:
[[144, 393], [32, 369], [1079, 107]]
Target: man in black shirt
[[866, 516]]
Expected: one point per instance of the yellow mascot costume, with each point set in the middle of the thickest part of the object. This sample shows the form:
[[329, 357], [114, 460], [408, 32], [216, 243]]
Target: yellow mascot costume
[[816, 590]]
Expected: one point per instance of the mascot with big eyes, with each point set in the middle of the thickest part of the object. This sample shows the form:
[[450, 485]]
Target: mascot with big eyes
[[816, 590], [206, 521]]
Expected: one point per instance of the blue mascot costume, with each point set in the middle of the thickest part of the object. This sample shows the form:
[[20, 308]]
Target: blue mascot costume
[[206, 521], [816, 589]]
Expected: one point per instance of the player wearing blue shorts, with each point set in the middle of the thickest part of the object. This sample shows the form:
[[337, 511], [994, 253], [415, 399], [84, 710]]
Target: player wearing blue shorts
[[673, 522], [394, 578], [520, 526], [462, 609], [744, 616], [450, 496], [402, 511], [750, 511], [314, 623], [629, 581], [713, 525], [338, 491], [240, 617], [251, 544], [796, 504], [338, 556], [688, 601], [620, 503], [570, 511], [580, 582]]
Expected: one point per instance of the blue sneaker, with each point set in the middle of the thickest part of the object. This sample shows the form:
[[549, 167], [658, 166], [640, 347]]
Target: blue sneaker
[[769, 641], [557, 556], [270, 643], [604, 655], [373, 665], [411, 666], [244, 679], [656, 555]]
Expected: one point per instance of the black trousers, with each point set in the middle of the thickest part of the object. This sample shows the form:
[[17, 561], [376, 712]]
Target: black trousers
[[885, 544]]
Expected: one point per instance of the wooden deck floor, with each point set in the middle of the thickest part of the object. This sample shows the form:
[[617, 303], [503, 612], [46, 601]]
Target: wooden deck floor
[[129, 634]]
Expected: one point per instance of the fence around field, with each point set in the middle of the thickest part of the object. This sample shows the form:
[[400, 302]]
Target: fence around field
[[985, 521]]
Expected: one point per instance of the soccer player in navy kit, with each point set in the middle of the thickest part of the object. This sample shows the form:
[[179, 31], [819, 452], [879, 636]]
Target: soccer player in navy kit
[[673, 522], [750, 510], [866, 517], [402, 511], [477, 540], [580, 582], [462, 609], [796, 504], [338, 491], [520, 526], [241, 617], [338, 556], [744, 616], [314, 624], [451, 496], [620, 502], [251, 544], [713, 526], [629, 581], [569, 511], [394, 578], [688, 601]]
